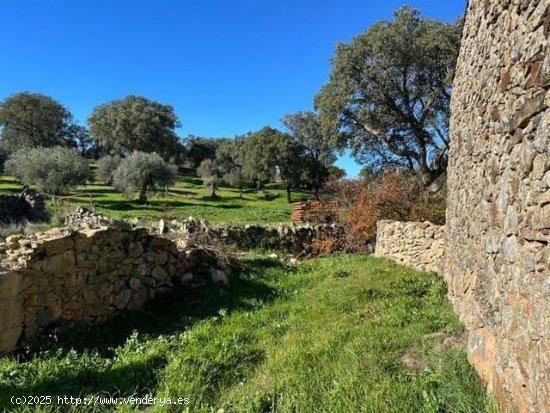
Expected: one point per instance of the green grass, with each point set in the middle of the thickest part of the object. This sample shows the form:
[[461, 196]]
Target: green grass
[[187, 198], [324, 337]]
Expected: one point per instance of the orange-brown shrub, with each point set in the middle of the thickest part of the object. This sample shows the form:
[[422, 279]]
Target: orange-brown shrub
[[325, 246], [392, 195]]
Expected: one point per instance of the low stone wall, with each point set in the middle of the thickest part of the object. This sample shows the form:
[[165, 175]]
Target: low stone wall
[[89, 275], [294, 239], [419, 245]]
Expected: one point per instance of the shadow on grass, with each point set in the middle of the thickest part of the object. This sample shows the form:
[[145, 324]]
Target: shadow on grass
[[193, 181], [169, 314], [176, 192], [15, 191]]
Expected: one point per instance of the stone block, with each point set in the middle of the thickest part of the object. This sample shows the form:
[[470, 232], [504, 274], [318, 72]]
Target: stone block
[[62, 263], [11, 312], [9, 338], [10, 284]]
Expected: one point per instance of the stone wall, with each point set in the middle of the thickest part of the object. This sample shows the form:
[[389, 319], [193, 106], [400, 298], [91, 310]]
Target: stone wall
[[498, 216], [96, 267], [419, 245], [294, 239], [89, 275]]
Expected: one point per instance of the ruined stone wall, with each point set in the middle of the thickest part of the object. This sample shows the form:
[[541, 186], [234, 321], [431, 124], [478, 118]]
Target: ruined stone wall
[[294, 239], [420, 245], [498, 217], [88, 275]]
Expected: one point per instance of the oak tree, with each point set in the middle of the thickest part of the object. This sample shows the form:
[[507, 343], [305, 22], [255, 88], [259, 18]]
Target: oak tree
[[389, 91]]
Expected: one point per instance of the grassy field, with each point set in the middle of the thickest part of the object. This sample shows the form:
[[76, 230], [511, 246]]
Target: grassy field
[[327, 336], [187, 198]]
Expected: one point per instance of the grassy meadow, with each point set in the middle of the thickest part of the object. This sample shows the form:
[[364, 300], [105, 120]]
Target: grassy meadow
[[326, 336], [188, 197]]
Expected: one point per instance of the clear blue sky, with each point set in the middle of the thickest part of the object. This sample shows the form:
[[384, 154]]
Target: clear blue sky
[[227, 66]]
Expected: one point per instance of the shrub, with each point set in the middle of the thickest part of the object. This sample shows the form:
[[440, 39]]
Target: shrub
[[4, 155], [430, 206], [142, 172], [106, 168], [53, 170], [392, 195]]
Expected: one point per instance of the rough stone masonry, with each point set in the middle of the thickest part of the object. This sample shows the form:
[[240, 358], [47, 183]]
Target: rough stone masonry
[[88, 275], [420, 245], [498, 217]]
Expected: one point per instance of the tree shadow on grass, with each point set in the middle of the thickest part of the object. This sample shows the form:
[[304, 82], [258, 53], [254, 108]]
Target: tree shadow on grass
[[168, 314], [156, 205], [179, 192], [192, 181]]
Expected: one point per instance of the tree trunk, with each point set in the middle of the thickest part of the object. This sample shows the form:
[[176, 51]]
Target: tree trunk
[[288, 194], [213, 190], [258, 185], [241, 192], [317, 184], [143, 194]]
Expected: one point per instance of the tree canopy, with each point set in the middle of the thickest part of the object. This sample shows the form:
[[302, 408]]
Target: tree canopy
[[316, 148], [52, 170], [142, 172], [197, 149], [106, 167], [135, 123], [210, 172], [388, 93], [289, 159], [33, 119], [260, 155], [230, 158]]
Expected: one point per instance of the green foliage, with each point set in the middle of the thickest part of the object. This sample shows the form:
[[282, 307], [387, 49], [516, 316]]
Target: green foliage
[[317, 150], [197, 149], [187, 197], [211, 174], [82, 140], [289, 161], [430, 206], [334, 173], [389, 91], [135, 123], [324, 337], [34, 120], [52, 170], [260, 155], [4, 155], [236, 179], [106, 168], [230, 158], [142, 172]]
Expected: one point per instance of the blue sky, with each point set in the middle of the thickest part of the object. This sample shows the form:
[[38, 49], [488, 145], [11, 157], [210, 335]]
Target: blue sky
[[227, 66]]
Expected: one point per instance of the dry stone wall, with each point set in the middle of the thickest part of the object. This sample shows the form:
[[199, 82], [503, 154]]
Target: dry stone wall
[[420, 245], [498, 216], [96, 267], [87, 274], [294, 239]]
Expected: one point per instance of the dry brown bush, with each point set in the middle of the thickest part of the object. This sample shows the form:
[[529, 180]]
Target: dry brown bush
[[392, 195]]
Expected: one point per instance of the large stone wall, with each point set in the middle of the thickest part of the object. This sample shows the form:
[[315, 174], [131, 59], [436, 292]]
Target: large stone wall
[[419, 245], [498, 216], [89, 275]]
